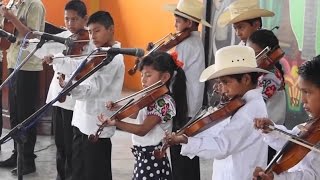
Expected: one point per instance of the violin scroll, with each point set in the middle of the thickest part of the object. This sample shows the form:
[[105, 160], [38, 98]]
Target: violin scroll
[[269, 57], [162, 45]]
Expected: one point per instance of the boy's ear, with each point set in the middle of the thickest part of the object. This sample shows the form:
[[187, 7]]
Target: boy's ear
[[86, 18], [246, 78], [165, 77], [190, 23], [257, 24]]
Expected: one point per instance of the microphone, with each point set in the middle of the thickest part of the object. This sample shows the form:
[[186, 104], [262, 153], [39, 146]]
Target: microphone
[[127, 51], [10, 37], [47, 36]]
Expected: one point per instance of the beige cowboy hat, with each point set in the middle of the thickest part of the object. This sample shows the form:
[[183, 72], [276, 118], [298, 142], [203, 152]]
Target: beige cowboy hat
[[241, 10], [190, 9], [232, 60]]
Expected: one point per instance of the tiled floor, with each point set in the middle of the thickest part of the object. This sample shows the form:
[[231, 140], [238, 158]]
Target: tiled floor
[[122, 160]]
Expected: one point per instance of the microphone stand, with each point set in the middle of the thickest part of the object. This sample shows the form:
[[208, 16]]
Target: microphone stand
[[17, 133], [25, 60]]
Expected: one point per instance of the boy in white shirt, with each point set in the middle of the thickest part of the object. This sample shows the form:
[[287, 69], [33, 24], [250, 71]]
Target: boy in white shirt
[[93, 160], [236, 140], [308, 167]]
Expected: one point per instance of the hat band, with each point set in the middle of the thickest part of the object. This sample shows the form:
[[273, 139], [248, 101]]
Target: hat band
[[195, 18]]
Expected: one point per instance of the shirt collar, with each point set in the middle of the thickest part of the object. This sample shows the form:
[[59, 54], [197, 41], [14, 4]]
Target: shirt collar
[[252, 94]]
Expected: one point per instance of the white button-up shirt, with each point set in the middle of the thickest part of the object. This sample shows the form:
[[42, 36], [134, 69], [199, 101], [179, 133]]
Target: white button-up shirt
[[237, 146], [92, 94], [307, 168], [191, 52]]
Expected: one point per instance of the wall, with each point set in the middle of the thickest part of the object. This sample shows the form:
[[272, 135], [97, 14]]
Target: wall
[[136, 23]]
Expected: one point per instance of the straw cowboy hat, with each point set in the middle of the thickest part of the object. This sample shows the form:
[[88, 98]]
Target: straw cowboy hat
[[190, 9], [232, 60], [241, 10]]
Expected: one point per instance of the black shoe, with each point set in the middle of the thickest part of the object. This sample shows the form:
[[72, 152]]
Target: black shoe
[[25, 171], [9, 163]]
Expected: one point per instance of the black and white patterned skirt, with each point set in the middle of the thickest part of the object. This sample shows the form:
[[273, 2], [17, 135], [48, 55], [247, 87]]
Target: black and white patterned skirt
[[147, 167]]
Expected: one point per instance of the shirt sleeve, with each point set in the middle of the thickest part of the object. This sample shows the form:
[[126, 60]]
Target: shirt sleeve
[[101, 80], [163, 108], [274, 138], [227, 142], [270, 83], [35, 16]]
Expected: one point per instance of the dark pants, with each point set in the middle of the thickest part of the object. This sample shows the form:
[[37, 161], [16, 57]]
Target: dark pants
[[63, 138], [90, 161], [184, 168], [23, 92]]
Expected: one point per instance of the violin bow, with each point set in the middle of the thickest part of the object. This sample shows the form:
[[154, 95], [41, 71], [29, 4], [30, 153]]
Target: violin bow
[[94, 138], [146, 90], [296, 139]]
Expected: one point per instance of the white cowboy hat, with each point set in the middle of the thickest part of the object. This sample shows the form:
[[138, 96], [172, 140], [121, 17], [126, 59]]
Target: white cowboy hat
[[232, 60], [190, 9], [241, 10]]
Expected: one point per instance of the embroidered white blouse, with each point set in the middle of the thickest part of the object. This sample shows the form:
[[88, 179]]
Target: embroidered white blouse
[[164, 107]]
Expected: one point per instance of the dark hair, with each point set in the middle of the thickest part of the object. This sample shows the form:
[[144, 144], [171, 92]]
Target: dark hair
[[254, 77], [102, 17], [264, 38], [78, 6], [309, 71], [163, 62], [252, 21]]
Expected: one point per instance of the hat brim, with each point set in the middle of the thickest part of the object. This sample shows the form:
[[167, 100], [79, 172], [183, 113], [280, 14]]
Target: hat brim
[[172, 8], [210, 73], [224, 18]]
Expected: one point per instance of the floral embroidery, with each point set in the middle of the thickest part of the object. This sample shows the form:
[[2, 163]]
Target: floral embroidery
[[270, 90], [162, 108]]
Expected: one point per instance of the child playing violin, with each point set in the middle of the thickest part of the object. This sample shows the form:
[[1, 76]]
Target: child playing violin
[[308, 167], [154, 120], [235, 145], [272, 84], [245, 16], [75, 18], [188, 16], [93, 160]]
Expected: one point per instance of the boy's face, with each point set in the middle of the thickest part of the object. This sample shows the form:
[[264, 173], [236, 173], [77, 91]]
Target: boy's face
[[181, 24], [310, 95], [100, 35], [231, 87], [73, 21], [244, 29]]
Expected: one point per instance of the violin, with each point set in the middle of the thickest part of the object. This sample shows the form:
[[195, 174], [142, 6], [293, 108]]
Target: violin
[[8, 27], [94, 62], [292, 153], [153, 93], [204, 123], [163, 45], [267, 58], [81, 39]]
